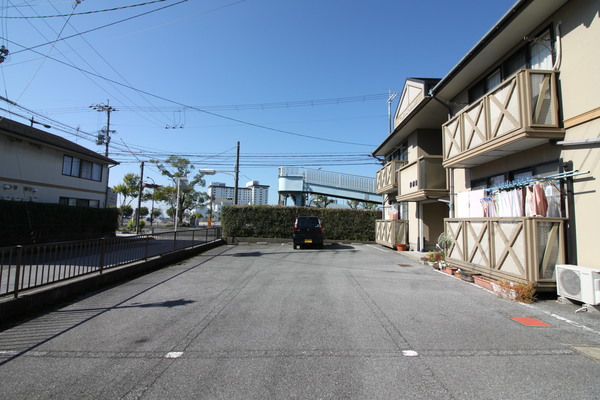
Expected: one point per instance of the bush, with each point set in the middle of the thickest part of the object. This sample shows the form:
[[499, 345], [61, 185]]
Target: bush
[[131, 224], [278, 222], [26, 222]]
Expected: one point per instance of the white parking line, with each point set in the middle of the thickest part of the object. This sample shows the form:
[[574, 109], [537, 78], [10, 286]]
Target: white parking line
[[174, 354], [409, 353], [558, 317], [378, 248]]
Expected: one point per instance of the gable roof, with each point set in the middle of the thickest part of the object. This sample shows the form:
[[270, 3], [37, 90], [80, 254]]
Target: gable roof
[[415, 111], [518, 22], [18, 130]]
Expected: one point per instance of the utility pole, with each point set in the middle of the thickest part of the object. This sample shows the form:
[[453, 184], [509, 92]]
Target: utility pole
[[137, 214], [104, 138], [237, 175]]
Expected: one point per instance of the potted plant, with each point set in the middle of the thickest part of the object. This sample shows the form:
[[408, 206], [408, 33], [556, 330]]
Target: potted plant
[[444, 242], [401, 246], [436, 258]]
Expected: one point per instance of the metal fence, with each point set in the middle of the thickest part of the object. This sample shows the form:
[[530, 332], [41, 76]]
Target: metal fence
[[31, 266]]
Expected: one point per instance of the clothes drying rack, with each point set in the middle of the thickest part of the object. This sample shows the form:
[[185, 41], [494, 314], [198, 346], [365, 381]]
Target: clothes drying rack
[[528, 181]]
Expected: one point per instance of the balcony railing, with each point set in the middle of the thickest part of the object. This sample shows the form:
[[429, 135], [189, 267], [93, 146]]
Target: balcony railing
[[520, 113], [387, 179], [524, 249], [421, 179], [390, 232]]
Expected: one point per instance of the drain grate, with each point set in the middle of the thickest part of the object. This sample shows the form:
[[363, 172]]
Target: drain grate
[[404, 265]]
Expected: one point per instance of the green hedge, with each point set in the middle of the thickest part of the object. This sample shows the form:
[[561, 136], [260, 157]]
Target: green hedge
[[26, 222], [278, 222]]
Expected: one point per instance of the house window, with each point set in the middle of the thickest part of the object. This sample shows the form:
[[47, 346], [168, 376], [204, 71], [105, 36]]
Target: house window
[[76, 167], [536, 54], [67, 162], [540, 52], [96, 172], [400, 154], [545, 169], [70, 201]]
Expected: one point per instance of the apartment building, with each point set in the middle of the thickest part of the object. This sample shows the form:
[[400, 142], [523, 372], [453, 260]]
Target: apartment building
[[519, 148], [41, 167], [253, 194]]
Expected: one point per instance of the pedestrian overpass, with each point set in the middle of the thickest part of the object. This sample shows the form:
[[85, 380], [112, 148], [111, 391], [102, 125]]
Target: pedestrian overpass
[[297, 183]]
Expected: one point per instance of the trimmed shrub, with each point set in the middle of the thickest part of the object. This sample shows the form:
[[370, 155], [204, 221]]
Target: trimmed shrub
[[278, 222], [26, 222]]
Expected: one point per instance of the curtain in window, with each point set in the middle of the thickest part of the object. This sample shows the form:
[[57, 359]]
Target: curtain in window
[[541, 53]]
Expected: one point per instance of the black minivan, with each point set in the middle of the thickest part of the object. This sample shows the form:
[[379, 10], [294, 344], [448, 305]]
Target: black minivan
[[308, 232]]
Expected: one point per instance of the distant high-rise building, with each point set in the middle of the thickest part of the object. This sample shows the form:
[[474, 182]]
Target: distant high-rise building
[[222, 195], [253, 194]]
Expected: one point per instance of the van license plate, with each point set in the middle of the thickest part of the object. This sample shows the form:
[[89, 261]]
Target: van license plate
[[307, 240]]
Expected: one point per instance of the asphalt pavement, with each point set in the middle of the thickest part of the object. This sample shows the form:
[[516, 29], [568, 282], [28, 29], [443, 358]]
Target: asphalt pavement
[[264, 321]]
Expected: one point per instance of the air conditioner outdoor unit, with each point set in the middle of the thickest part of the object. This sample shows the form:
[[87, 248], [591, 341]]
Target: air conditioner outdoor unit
[[578, 283]]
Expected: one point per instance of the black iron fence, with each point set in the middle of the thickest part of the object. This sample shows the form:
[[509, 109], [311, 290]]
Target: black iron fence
[[31, 266]]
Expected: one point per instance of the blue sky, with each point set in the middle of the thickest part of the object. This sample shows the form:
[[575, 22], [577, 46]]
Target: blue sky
[[306, 78]]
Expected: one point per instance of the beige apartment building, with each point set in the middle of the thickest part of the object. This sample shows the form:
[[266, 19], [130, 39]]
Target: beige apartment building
[[37, 166], [503, 153]]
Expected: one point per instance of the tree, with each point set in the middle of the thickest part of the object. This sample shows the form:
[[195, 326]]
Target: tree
[[128, 189], [126, 211], [179, 169], [144, 211], [321, 201], [369, 206], [353, 204]]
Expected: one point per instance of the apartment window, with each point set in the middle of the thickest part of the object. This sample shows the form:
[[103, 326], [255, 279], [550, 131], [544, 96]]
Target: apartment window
[[545, 169], [67, 163], [537, 53], [86, 170], [401, 153], [96, 172], [74, 202], [76, 167], [540, 52]]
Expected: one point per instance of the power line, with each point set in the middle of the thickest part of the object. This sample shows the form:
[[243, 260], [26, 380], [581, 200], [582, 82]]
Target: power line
[[202, 110], [100, 27], [83, 13]]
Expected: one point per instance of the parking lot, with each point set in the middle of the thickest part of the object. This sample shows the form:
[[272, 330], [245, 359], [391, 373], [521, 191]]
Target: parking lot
[[256, 321]]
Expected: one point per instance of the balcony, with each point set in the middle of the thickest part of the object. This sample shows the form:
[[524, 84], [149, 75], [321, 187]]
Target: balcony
[[519, 114], [386, 178], [422, 179], [521, 250], [390, 232]]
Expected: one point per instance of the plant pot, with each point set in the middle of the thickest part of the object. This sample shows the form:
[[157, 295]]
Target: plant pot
[[449, 270], [484, 282], [401, 246]]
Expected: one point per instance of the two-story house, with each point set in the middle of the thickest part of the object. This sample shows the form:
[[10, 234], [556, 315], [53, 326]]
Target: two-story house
[[521, 142], [413, 181], [41, 167]]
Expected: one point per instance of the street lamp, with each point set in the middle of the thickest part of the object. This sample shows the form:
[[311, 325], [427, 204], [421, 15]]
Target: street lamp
[[183, 183], [152, 186]]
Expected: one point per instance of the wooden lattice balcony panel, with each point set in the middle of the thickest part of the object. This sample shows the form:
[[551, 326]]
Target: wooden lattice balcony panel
[[387, 178], [390, 232], [524, 249], [519, 114]]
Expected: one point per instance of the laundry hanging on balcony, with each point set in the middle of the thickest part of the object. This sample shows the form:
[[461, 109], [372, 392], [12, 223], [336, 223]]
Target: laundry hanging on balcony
[[539, 199], [535, 196]]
